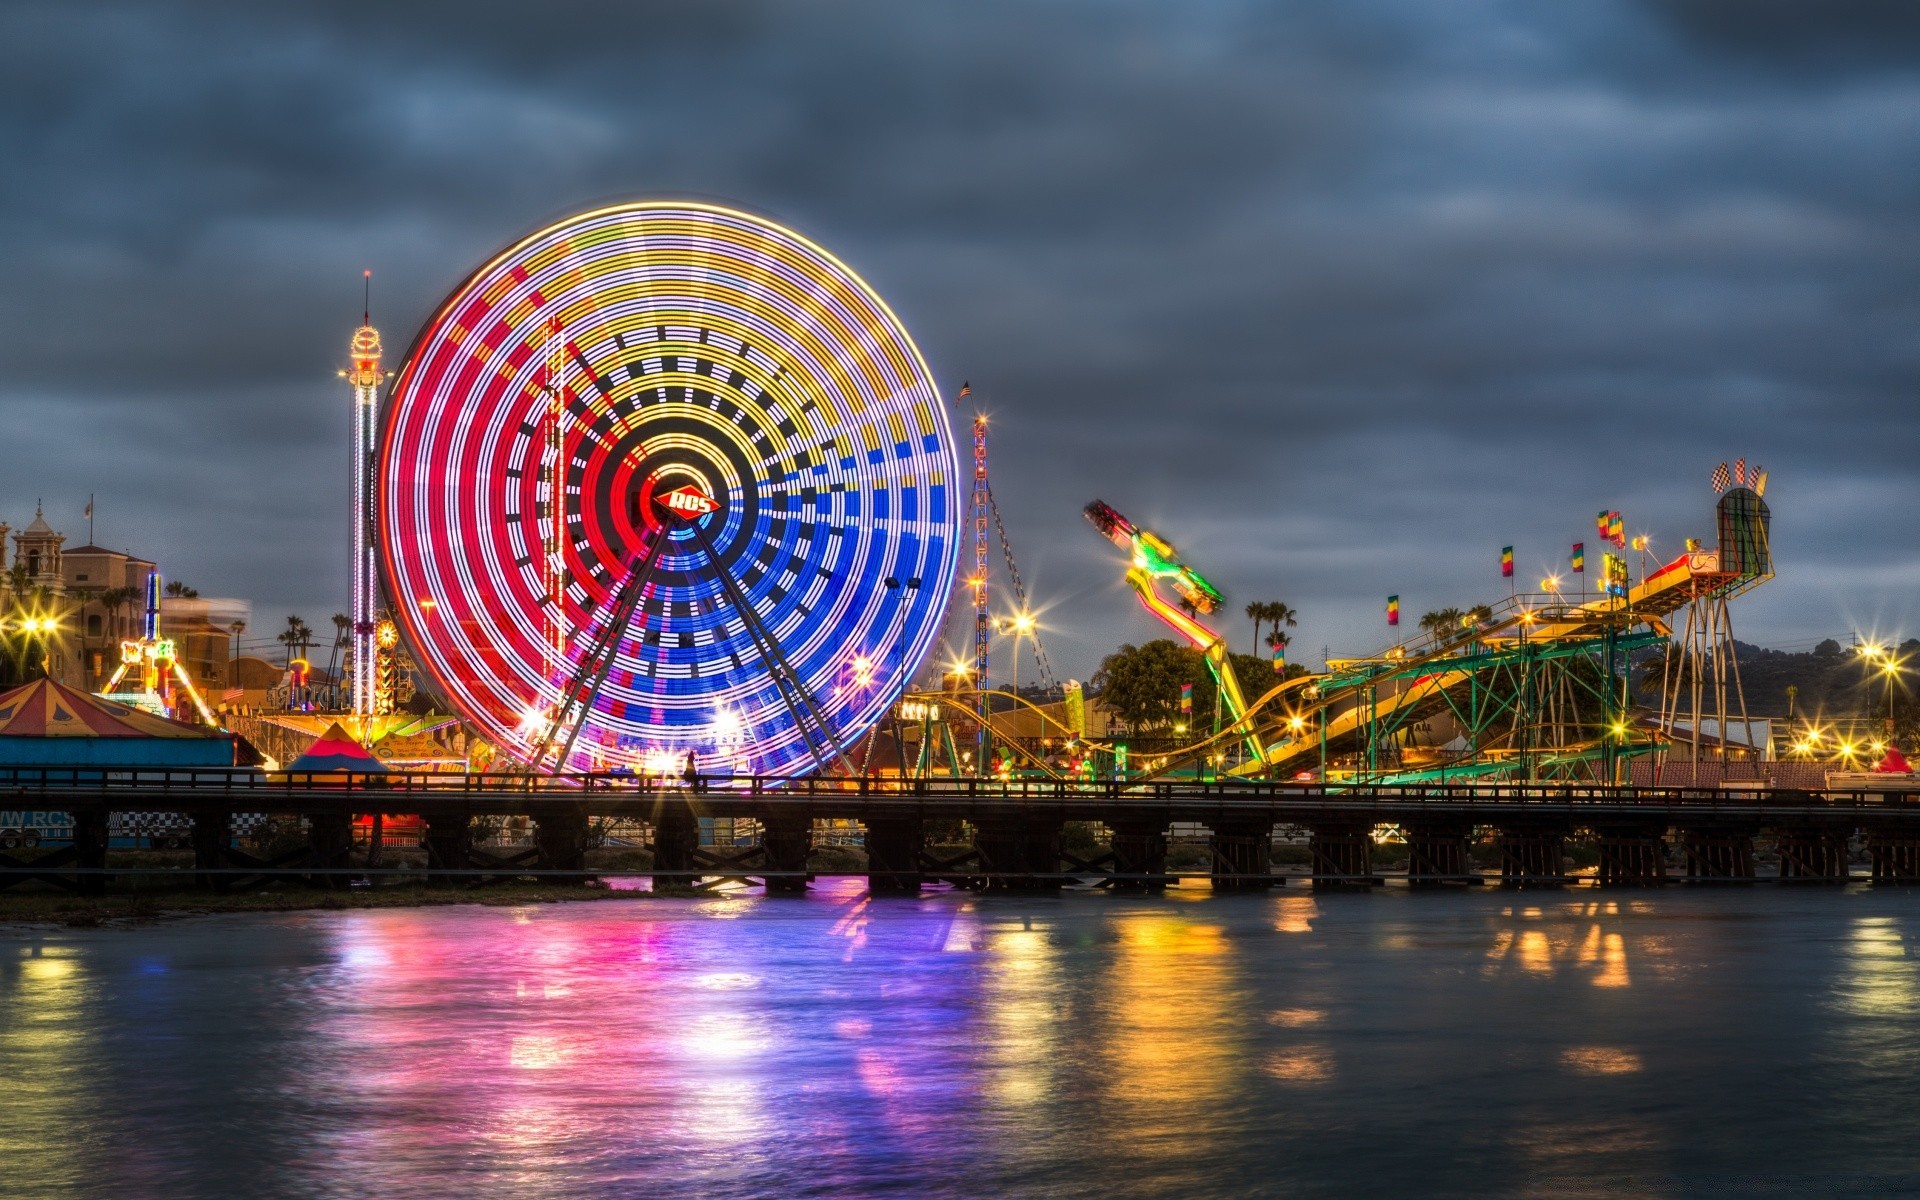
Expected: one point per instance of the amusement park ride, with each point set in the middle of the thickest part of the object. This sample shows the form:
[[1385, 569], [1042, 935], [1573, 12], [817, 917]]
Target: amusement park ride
[[657, 488], [658, 485], [1534, 687], [153, 661]]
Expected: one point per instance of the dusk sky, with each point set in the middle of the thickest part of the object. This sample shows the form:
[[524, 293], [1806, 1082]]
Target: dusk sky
[[1340, 298]]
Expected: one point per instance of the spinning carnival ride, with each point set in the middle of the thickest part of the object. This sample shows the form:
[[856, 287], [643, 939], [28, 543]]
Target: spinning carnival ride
[[649, 484]]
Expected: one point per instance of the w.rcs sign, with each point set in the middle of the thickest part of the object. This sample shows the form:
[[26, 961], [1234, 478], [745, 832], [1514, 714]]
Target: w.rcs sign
[[689, 502]]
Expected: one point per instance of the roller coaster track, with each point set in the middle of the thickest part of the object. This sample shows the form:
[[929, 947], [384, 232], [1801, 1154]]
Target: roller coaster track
[[1418, 677]]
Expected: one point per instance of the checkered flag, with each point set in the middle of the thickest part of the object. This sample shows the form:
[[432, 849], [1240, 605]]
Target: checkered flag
[[1721, 480], [1740, 471]]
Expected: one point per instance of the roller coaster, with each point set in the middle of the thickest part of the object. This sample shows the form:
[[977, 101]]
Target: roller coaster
[[1535, 686]]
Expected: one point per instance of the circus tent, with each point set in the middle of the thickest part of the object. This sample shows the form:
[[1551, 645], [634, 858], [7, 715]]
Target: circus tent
[[46, 723]]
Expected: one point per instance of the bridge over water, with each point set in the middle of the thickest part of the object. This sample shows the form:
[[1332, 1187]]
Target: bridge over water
[[1015, 826]]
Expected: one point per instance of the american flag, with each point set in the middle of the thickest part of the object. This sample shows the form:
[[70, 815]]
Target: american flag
[[1721, 480], [966, 389], [1740, 471]]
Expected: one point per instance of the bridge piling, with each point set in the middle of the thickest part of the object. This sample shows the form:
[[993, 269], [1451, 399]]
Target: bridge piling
[[1533, 856], [676, 843], [1139, 848], [1894, 854], [1342, 856], [449, 843], [560, 838], [786, 841], [894, 849], [1018, 853], [1812, 854], [1718, 855], [1631, 854], [1242, 856], [329, 843], [211, 833], [90, 850], [1437, 853]]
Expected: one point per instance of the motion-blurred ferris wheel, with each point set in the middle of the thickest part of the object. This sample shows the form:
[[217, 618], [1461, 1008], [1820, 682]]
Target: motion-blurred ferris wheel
[[667, 478]]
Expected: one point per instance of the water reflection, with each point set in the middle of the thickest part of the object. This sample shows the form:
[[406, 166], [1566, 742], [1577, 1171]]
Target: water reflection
[[1584, 937], [46, 1072], [958, 1045]]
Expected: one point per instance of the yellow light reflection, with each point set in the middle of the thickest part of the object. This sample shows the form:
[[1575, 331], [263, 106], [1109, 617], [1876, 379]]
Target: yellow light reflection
[[1601, 1060], [1301, 1064], [1295, 914], [1177, 1015], [1544, 950], [1023, 987], [47, 990]]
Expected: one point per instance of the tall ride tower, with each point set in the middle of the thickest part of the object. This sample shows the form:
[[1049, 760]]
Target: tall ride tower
[[982, 621], [365, 376]]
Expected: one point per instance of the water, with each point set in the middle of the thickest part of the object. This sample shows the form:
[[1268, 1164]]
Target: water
[[1680, 1042]]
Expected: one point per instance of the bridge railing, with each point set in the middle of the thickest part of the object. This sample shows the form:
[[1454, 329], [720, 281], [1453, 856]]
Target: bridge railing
[[152, 786]]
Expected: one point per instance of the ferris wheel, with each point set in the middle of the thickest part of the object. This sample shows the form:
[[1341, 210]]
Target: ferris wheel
[[666, 479]]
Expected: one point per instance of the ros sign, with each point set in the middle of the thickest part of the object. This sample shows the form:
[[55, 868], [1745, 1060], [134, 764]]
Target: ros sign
[[689, 502]]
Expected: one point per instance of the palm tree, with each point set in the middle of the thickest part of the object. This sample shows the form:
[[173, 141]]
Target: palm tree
[[233, 659], [115, 601], [1280, 616], [341, 623], [1257, 612], [181, 591], [297, 635], [1441, 622]]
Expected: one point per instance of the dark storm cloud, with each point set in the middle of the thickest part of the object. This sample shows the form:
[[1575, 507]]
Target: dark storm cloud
[[1341, 297]]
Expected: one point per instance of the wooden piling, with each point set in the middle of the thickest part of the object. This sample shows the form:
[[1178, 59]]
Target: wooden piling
[[1342, 856], [1631, 854], [1533, 856], [1437, 853], [786, 841], [894, 849], [676, 843], [1019, 854], [1717, 854], [1140, 849], [1812, 854]]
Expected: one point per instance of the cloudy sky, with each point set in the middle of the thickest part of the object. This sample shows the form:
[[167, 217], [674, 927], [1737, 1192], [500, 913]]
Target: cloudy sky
[[1339, 297]]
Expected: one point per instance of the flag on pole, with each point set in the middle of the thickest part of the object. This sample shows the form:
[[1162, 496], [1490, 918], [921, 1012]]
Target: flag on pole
[[1600, 522], [1721, 480], [966, 389], [1393, 610], [1506, 562], [1579, 558], [89, 513], [1617, 530], [1186, 699], [1279, 658]]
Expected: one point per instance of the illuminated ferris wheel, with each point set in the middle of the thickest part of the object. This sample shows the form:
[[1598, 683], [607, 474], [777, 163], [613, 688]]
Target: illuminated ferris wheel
[[662, 479]]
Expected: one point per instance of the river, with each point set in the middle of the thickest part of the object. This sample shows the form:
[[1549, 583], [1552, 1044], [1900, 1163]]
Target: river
[[1733, 1042]]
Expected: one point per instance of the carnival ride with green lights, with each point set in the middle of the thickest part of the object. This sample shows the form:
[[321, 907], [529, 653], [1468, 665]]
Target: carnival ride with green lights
[[1535, 686]]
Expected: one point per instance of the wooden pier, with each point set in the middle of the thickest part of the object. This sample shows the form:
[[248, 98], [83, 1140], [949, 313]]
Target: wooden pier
[[1642, 836]]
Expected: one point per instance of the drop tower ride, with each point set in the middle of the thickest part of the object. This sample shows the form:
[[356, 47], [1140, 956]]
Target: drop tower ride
[[365, 377]]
